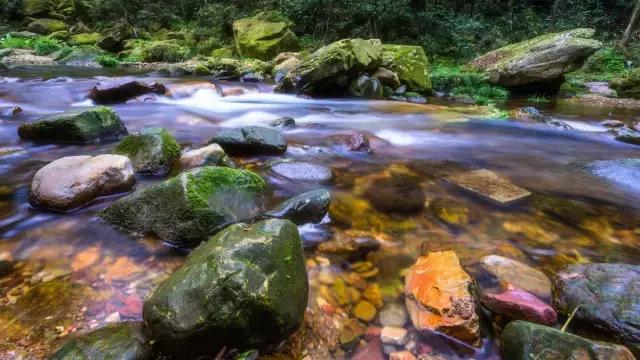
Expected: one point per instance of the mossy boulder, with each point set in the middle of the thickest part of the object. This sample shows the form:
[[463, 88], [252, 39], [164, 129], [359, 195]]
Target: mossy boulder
[[251, 140], [523, 340], [85, 55], [540, 60], [330, 69], [223, 52], [190, 207], [85, 39], [628, 86], [411, 65], [164, 51], [46, 26], [152, 151], [76, 127], [246, 288], [116, 341], [264, 36], [36, 7], [60, 35]]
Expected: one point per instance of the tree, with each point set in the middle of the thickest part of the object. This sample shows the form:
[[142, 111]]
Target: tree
[[632, 24]]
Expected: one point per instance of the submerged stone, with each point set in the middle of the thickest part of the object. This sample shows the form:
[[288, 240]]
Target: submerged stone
[[519, 275], [71, 182], [77, 127], [152, 151], [439, 297], [450, 212], [309, 207], [542, 59], [490, 186], [121, 90], [520, 305], [397, 193], [303, 171], [264, 36], [608, 296], [531, 114], [125, 341], [625, 172], [523, 340], [246, 287], [190, 207], [251, 140], [353, 142]]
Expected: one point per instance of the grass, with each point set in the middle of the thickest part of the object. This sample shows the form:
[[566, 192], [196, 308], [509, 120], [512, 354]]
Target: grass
[[9, 42], [459, 81], [45, 46], [537, 99], [107, 61]]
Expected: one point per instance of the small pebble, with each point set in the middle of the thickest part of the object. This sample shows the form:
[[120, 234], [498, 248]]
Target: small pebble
[[364, 311], [393, 314], [401, 355], [393, 336]]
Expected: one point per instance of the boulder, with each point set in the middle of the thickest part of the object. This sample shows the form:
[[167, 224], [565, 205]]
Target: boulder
[[71, 182], [84, 55], [283, 122], [523, 340], [309, 207], [152, 151], [627, 86], [540, 60], [77, 127], [190, 207], [85, 38], [625, 172], [36, 7], [210, 155], [410, 65], [246, 288], [440, 297], [519, 275], [520, 305], [284, 65], [251, 140], [366, 87], [608, 296], [387, 77], [121, 90], [303, 172], [264, 36], [330, 69], [116, 341], [46, 26]]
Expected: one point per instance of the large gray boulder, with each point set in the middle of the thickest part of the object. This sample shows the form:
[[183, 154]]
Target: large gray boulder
[[542, 59], [190, 207], [246, 287], [71, 182], [608, 296]]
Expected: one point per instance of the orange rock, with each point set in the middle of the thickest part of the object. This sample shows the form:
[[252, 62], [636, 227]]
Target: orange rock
[[439, 298], [122, 269], [85, 258]]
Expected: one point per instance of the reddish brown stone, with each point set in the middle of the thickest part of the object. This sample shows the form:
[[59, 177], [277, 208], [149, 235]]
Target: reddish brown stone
[[520, 305]]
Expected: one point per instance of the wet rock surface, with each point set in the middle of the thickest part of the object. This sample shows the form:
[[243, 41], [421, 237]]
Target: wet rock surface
[[518, 274], [490, 186], [116, 91], [210, 155], [251, 140], [245, 287], [303, 172], [309, 207], [190, 207], [608, 296], [152, 151], [520, 305], [71, 182]]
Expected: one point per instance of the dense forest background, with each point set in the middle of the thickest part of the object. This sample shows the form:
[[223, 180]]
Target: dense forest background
[[456, 29]]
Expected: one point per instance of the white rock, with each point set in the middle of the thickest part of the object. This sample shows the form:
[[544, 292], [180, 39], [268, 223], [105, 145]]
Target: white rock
[[71, 182], [208, 155], [393, 335]]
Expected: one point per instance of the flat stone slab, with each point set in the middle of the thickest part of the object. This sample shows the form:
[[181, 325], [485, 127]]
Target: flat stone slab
[[490, 186]]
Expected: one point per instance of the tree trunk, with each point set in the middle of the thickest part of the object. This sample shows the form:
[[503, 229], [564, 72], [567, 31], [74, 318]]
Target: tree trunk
[[632, 24]]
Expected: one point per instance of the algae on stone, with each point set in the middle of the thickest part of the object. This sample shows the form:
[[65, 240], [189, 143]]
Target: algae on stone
[[152, 151], [411, 65], [264, 36]]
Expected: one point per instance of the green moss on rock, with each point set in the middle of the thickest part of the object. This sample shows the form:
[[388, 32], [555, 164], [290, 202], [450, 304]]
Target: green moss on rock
[[264, 36], [116, 341], [76, 127], [246, 287], [164, 51], [152, 151], [411, 65], [628, 86], [46, 26], [190, 207], [85, 39]]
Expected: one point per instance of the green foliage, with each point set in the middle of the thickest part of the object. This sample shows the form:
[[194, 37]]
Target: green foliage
[[9, 42], [605, 61], [164, 51], [107, 60], [537, 99], [459, 81], [46, 46], [63, 52]]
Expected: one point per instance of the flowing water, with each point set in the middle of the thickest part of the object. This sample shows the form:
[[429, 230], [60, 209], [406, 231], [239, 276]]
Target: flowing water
[[73, 273]]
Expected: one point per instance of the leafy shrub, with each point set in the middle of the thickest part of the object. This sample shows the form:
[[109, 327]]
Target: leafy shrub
[[461, 82], [605, 61], [9, 42], [164, 51], [46, 46], [107, 60]]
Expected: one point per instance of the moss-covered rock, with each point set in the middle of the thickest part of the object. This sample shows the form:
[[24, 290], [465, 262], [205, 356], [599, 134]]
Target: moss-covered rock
[[60, 35], [85, 39], [246, 287], [190, 207], [628, 86], [164, 51], [251, 140], [85, 55], [117, 341], [76, 127], [46, 26], [523, 340], [411, 65], [542, 59], [36, 7], [330, 69], [264, 36], [223, 52], [152, 151]]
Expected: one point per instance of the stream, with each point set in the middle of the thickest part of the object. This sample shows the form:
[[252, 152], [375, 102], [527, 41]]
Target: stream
[[72, 273]]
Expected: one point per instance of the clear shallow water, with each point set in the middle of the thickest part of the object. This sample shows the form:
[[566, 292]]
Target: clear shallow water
[[73, 272]]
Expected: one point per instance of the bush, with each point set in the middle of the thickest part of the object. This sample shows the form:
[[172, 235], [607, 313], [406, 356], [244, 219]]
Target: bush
[[605, 61], [9, 42], [164, 51], [107, 60], [46, 46]]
